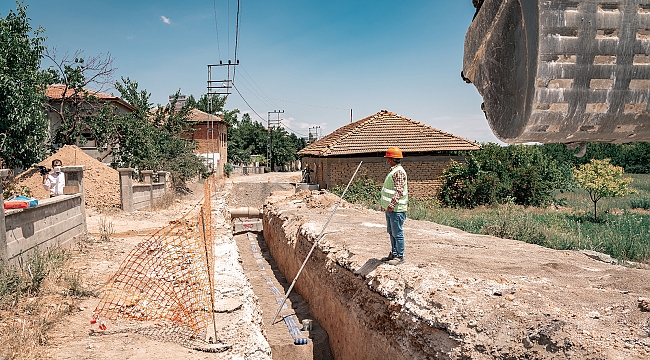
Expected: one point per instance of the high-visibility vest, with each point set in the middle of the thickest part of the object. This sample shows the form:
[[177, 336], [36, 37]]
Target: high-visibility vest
[[388, 190]]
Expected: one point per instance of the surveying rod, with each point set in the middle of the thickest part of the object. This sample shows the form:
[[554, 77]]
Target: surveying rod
[[320, 236]]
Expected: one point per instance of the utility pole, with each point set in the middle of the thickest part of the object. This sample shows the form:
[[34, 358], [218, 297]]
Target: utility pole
[[316, 128], [350, 115], [219, 88], [271, 124]]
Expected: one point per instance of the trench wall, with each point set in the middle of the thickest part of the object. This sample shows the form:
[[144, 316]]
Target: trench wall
[[361, 323]]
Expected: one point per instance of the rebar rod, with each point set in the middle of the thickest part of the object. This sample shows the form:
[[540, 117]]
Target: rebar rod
[[318, 238]]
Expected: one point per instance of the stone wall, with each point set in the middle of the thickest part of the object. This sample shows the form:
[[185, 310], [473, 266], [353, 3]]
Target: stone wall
[[144, 195], [57, 221], [422, 171]]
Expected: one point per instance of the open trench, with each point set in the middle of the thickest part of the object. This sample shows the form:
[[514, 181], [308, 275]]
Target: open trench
[[270, 285], [458, 296]]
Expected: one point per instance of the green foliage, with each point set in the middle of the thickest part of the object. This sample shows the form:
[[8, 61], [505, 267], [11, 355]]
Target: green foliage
[[148, 139], [640, 203], [227, 169], [211, 104], [515, 174], [284, 146], [23, 125], [246, 138], [602, 179], [362, 191], [633, 157]]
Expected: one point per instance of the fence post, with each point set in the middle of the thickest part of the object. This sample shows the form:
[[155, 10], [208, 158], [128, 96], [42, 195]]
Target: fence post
[[3, 228], [74, 183], [162, 179], [146, 178], [126, 189]]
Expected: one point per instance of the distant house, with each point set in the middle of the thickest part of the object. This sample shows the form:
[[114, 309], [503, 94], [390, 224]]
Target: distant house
[[55, 94], [211, 136], [427, 152]]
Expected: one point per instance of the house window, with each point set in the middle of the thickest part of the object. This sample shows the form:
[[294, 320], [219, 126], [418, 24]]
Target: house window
[[224, 138]]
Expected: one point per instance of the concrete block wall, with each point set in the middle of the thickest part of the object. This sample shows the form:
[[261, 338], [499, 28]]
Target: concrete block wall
[[422, 171], [57, 221], [144, 195]]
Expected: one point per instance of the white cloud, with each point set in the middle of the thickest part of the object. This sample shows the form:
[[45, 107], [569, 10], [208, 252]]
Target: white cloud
[[130, 37], [165, 19]]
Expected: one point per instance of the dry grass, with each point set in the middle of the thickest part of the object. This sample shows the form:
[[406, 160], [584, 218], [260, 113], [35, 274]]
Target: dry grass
[[165, 201], [106, 229], [33, 298]]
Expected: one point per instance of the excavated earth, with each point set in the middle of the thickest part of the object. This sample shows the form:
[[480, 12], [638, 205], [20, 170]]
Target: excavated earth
[[458, 295]]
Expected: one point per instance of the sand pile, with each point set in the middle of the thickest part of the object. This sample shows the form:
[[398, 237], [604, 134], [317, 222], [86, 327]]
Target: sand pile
[[101, 182]]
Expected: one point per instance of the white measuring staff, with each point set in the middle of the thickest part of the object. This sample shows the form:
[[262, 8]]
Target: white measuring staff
[[320, 236]]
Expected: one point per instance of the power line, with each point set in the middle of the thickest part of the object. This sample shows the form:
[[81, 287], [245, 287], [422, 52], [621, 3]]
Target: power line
[[249, 105], [234, 71], [292, 130], [216, 27]]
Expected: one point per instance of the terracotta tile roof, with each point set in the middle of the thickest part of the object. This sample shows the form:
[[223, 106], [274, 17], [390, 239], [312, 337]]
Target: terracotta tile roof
[[200, 116], [378, 132], [56, 92]]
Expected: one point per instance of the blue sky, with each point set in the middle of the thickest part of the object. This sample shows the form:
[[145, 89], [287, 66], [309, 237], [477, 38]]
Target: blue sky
[[313, 59]]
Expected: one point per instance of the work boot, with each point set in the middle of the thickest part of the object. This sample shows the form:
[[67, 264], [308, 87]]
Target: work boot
[[390, 256], [396, 261]]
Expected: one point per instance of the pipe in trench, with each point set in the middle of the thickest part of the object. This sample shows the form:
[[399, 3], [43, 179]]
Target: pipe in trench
[[246, 212]]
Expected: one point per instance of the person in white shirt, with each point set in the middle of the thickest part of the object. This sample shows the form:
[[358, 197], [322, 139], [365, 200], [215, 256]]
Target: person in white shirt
[[55, 181]]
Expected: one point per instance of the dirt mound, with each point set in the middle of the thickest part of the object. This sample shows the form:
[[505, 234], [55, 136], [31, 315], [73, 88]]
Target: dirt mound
[[101, 182]]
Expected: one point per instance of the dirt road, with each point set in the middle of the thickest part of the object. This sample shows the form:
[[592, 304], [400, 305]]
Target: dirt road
[[238, 318]]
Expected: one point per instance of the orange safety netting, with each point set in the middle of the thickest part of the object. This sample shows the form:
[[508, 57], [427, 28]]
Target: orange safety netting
[[167, 277]]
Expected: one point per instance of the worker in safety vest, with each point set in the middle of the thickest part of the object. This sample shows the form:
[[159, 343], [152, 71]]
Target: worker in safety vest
[[394, 201]]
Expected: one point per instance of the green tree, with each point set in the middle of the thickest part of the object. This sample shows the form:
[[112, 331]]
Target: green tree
[[602, 179], [23, 125], [149, 138], [284, 146]]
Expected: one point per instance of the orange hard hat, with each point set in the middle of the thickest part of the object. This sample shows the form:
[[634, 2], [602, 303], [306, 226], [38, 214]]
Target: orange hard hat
[[393, 152]]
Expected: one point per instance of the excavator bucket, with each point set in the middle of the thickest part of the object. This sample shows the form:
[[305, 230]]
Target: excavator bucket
[[561, 71]]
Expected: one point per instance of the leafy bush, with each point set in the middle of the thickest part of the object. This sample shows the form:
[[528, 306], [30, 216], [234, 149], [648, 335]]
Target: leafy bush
[[227, 169], [640, 203], [515, 174], [362, 191]]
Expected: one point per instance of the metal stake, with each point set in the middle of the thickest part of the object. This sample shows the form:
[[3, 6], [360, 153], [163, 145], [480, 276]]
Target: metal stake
[[318, 238], [207, 262]]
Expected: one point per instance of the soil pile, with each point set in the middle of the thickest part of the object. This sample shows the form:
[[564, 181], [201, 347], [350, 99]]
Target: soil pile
[[101, 182]]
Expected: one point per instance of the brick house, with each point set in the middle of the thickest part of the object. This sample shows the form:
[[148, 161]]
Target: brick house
[[211, 136], [58, 94], [427, 152]]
